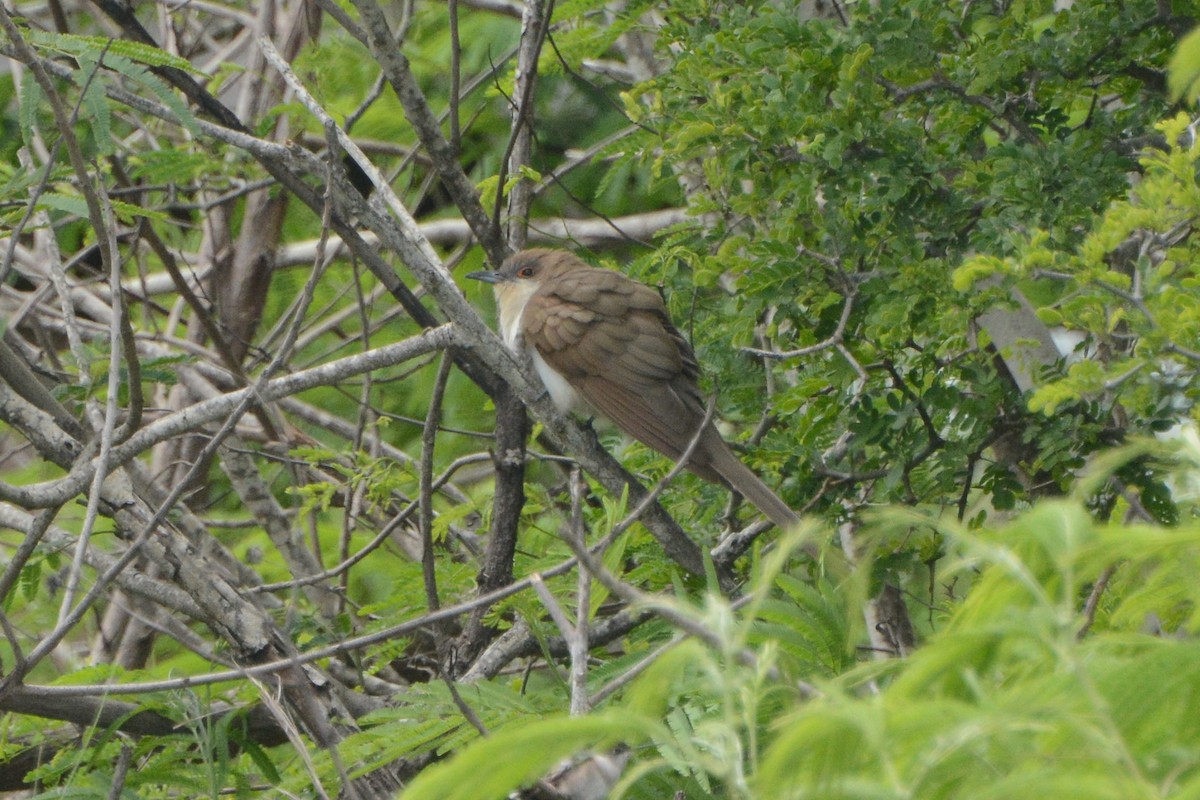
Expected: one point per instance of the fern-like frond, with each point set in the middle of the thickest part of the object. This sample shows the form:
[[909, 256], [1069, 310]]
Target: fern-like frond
[[92, 47]]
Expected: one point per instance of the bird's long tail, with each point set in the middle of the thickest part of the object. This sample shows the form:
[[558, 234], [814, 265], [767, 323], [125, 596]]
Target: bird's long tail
[[732, 471]]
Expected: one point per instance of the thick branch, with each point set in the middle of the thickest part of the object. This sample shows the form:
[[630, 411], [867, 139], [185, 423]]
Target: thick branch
[[416, 110], [289, 165]]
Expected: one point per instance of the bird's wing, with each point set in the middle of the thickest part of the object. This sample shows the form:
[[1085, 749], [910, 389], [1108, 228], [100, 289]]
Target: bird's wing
[[610, 338]]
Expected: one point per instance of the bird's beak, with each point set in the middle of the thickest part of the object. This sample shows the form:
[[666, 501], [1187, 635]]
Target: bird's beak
[[487, 276]]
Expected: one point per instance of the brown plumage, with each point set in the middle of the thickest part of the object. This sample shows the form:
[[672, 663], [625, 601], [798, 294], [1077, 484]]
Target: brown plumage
[[603, 341]]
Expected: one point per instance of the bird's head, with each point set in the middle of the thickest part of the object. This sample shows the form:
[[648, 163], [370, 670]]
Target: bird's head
[[519, 278], [530, 267]]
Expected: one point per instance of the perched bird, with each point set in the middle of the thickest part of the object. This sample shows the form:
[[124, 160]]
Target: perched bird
[[603, 342]]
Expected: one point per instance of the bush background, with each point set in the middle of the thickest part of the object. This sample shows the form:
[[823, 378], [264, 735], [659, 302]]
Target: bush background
[[271, 525]]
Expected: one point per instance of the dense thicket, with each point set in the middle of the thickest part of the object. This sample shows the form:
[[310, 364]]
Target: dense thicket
[[275, 517]]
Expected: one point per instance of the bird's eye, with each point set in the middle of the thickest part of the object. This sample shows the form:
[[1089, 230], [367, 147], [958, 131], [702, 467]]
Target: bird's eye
[[525, 272]]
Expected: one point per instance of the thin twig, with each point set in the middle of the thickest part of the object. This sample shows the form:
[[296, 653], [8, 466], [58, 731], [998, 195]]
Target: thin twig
[[578, 641], [617, 683], [833, 340], [463, 708], [109, 425], [120, 770], [216, 408], [1093, 601], [676, 615], [428, 440], [370, 547], [535, 24], [455, 80]]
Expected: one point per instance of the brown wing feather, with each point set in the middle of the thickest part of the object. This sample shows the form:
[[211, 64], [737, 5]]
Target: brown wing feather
[[610, 337]]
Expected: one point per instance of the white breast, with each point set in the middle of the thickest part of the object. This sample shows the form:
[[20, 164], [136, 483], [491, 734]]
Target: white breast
[[561, 392]]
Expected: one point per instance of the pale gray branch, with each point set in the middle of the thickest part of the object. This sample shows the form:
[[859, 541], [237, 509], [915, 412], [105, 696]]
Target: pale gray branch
[[57, 539], [194, 417]]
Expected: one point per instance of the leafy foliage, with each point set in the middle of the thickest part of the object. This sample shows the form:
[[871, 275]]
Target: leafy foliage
[[857, 164], [1125, 289], [1006, 698], [863, 187]]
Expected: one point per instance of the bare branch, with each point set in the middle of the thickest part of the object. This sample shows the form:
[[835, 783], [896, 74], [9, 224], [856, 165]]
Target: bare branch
[[195, 416], [416, 110], [577, 641], [288, 164], [535, 24], [833, 340], [256, 496], [428, 441], [593, 233]]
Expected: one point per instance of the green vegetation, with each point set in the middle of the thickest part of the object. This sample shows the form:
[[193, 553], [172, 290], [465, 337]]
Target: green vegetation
[[269, 520]]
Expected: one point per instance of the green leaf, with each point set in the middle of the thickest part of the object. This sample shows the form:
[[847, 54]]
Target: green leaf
[[518, 755], [1183, 73], [99, 115], [31, 99], [77, 45]]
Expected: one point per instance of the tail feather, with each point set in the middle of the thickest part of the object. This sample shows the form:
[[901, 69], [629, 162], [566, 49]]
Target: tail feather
[[722, 465]]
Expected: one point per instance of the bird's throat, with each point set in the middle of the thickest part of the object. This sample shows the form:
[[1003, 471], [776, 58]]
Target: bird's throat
[[510, 308]]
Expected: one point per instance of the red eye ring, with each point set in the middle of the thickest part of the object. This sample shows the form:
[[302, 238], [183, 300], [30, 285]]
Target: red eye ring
[[525, 272]]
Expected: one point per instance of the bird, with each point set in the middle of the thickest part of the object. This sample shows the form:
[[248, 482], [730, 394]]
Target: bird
[[603, 343]]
